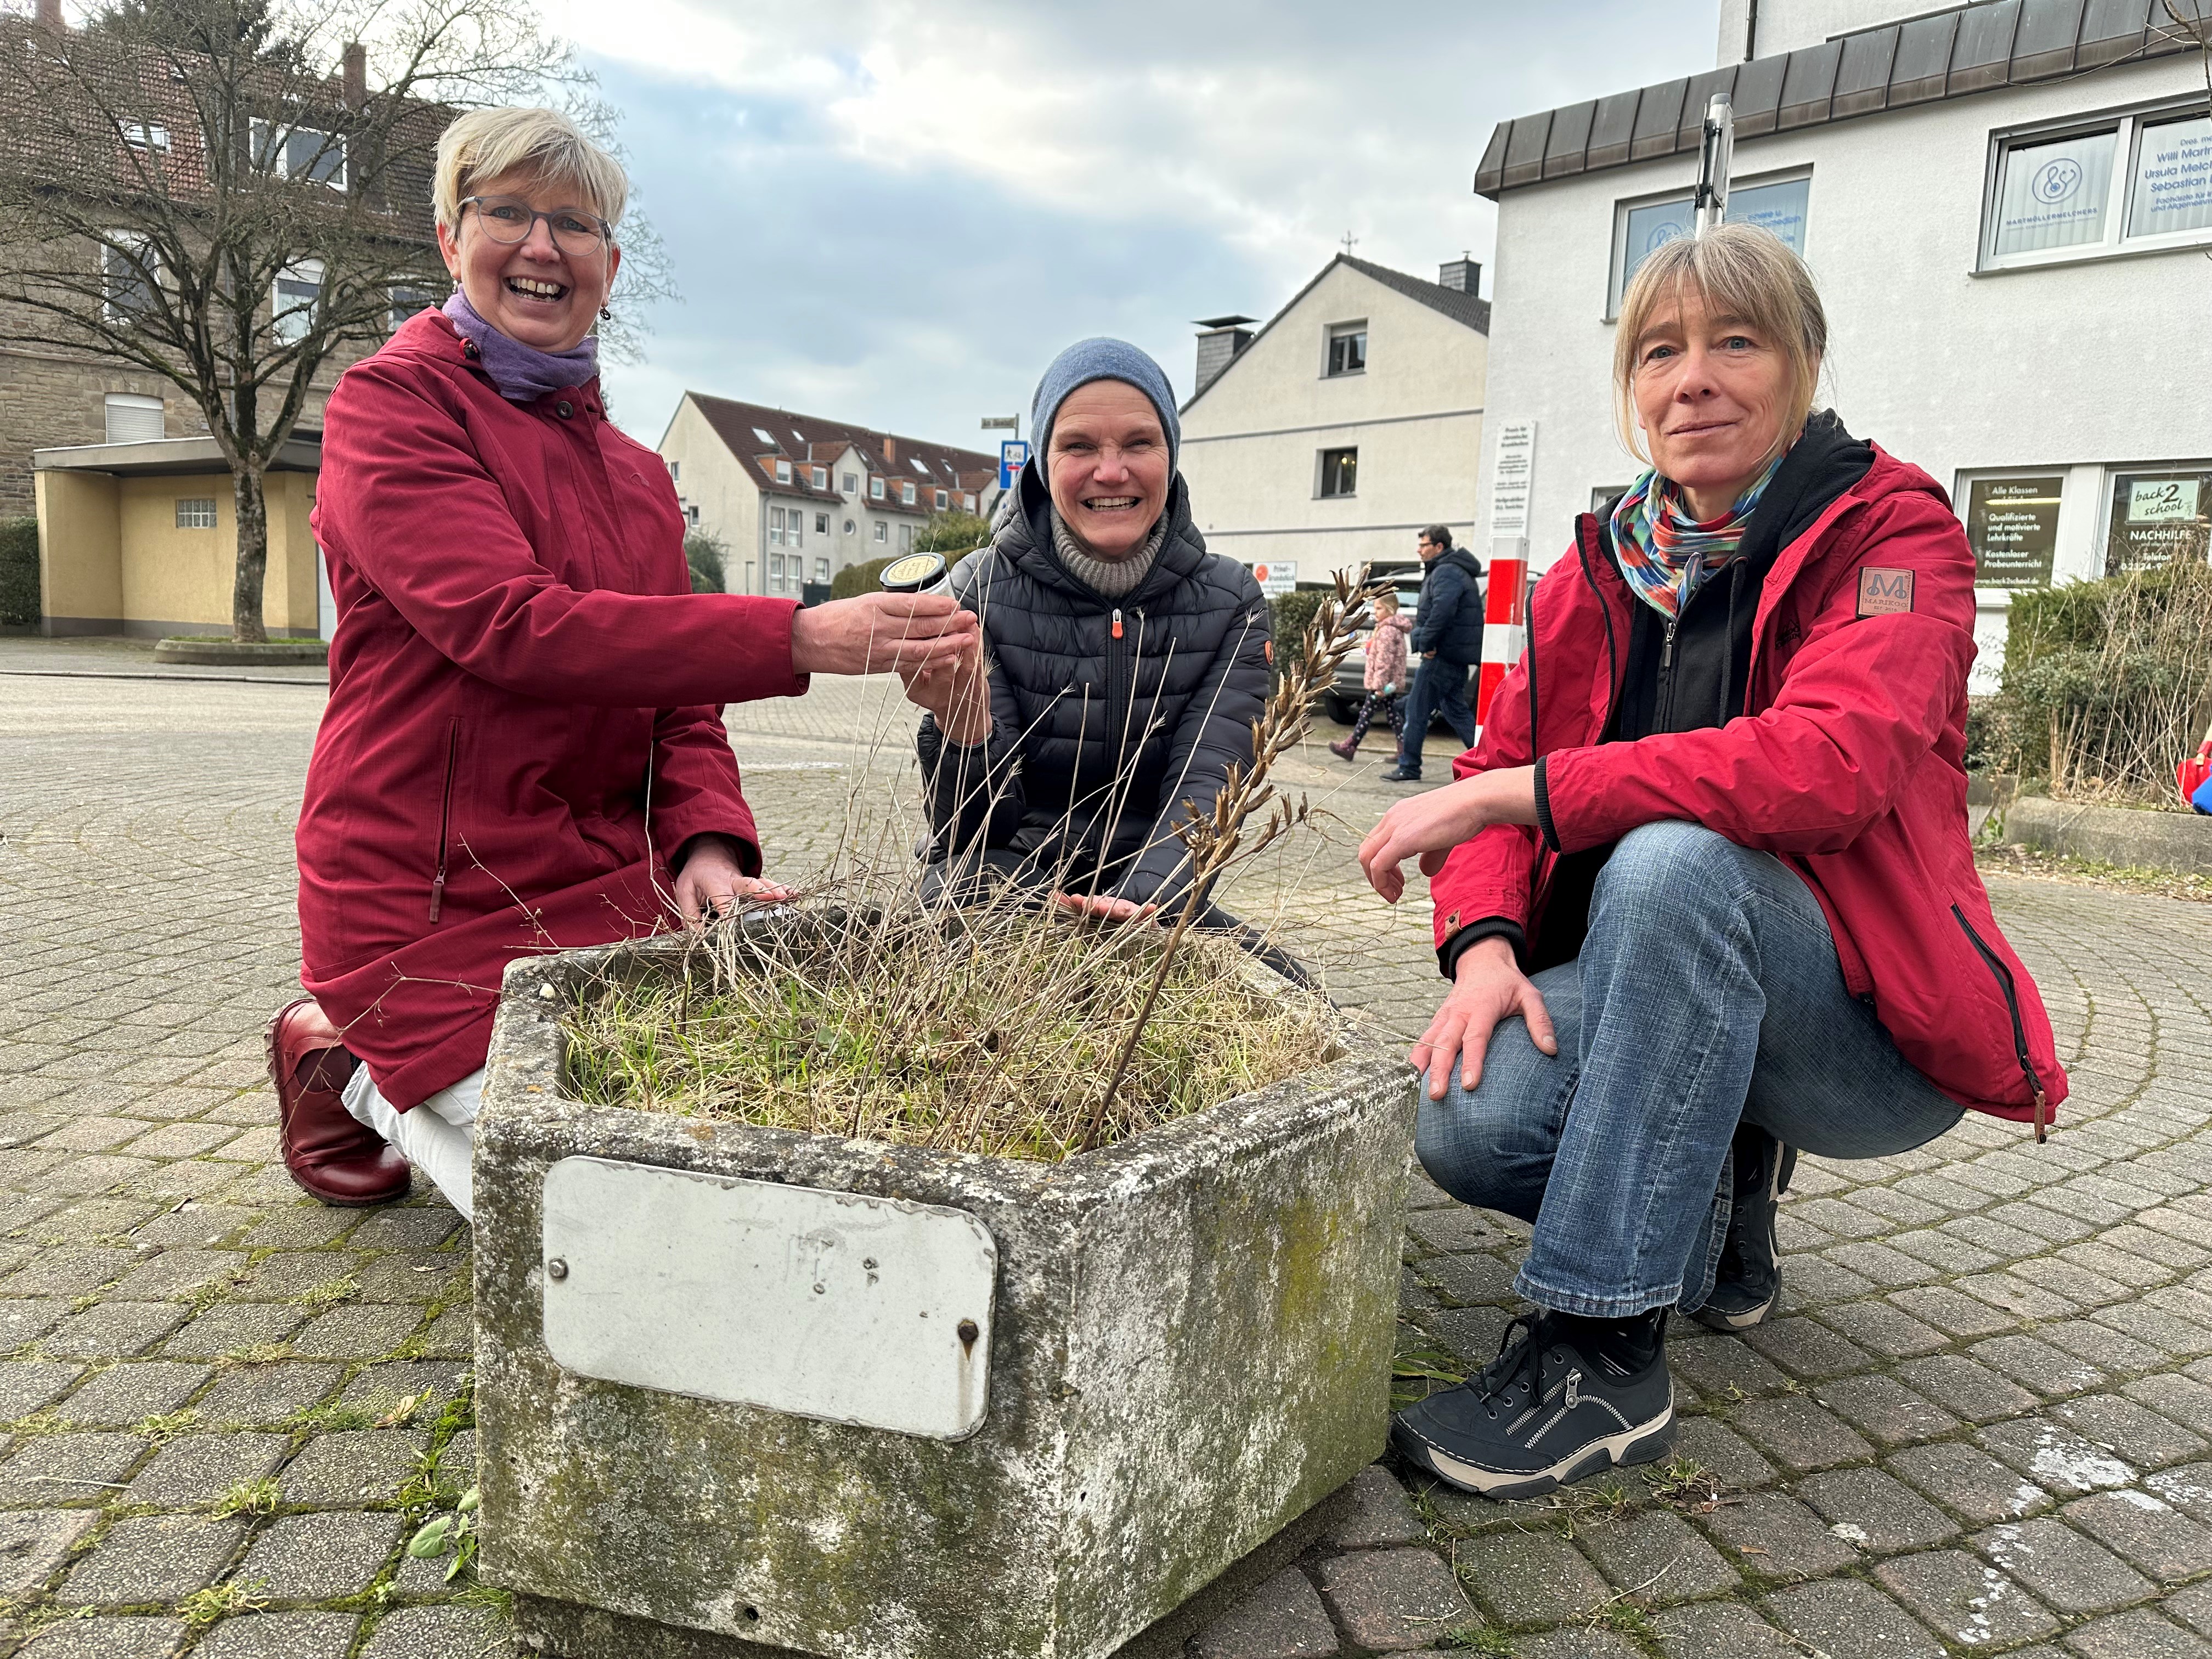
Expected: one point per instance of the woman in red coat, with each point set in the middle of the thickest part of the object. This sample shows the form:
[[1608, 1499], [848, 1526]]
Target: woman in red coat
[[1703, 890], [523, 749]]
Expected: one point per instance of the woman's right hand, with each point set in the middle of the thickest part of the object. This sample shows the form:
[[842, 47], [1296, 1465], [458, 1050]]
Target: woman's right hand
[[881, 631], [1487, 987], [956, 692]]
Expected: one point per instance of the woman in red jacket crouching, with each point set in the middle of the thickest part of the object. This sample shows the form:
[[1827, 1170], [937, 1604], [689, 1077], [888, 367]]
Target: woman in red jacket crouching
[[1703, 890], [523, 749]]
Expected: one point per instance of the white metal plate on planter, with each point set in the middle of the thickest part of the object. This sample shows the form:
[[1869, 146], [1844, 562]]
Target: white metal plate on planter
[[865, 1310]]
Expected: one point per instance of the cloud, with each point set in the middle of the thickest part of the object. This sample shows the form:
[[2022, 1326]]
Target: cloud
[[895, 212]]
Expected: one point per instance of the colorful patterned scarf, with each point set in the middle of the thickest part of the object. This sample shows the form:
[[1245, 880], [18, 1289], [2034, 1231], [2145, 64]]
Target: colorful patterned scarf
[[1665, 554]]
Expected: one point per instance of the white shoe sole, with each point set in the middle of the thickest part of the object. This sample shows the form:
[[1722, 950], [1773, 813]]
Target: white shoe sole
[[1643, 1444], [1714, 1319]]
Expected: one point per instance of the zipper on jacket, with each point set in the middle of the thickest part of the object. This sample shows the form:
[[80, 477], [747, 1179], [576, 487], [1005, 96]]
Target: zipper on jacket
[[1117, 624], [1121, 699], [445, 813], [1996, 964], [1661, 718]]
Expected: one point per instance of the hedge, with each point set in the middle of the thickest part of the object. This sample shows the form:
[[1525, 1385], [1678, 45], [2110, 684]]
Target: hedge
[[19, 572]]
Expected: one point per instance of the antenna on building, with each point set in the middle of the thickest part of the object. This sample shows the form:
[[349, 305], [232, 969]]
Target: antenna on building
[[1350, 243], [1715, 156]]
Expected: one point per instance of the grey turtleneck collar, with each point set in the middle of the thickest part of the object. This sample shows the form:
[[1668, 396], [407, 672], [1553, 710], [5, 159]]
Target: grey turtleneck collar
[[1109, 577]]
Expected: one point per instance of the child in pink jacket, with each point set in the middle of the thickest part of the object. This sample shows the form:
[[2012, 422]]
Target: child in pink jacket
[[1385, 677]]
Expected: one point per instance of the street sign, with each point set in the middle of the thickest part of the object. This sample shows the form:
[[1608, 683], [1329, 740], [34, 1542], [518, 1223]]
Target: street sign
[[1014, 456], [1274, 575]]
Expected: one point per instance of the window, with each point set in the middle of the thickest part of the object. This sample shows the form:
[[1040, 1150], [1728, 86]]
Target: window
[[880, 530], [776, 532], [1640, 228], [822, 524], [763, 434], [2159, 514], [775, 571], [820, 476], [2129, 183], [822, 570], [1339, 472], [675, 472], [1603, 496], [691, 513], [301, 153], [849, 526], [906, 493], [943, 501], [783, 472], [918, 465], [130, 269], [132, 419], [2012, 524], [906, 538], [852, 484], [1347, 350], [146, 135], [875, 489], [291, 302], [797, 527], [406, 301], [195, 512]]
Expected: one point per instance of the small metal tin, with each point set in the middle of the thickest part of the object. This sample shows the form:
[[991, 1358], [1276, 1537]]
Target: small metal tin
[[914, 572]]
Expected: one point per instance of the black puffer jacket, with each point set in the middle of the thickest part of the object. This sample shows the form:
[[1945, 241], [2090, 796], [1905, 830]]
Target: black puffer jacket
[[1449, 620], [1159, 688]]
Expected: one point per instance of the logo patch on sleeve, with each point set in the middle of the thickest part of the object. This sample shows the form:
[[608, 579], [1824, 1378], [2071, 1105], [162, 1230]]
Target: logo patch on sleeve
[[1451, 923], [1885, 592]]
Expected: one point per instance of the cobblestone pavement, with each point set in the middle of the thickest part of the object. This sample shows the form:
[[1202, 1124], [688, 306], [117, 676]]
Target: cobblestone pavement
[[1980, 1424]]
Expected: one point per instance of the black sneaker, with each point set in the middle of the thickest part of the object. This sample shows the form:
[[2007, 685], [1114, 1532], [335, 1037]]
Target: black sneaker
[[1398, 774], [1749, 1279], [1546, 1411]]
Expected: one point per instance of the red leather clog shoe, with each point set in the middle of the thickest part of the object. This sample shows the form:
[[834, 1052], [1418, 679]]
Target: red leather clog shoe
[[331, 1154]]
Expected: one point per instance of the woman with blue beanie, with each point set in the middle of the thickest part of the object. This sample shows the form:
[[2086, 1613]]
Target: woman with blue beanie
[[1127, 664]]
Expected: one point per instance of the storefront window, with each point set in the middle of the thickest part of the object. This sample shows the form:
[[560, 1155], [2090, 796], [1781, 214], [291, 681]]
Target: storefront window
[[2173, 179], [2159, 515], [2013, 526], [2053, 194]]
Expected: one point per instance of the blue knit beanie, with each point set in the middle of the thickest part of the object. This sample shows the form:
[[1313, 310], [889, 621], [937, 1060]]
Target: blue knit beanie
[[1102, 359]]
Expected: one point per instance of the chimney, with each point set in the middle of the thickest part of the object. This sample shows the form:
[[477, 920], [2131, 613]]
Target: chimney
[[1462, 275], [1224, 339], [356, 75], [890, 452], [50, 16]]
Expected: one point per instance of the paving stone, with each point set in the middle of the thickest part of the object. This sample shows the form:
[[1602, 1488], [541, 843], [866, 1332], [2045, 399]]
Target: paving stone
[[318, 1558], [304, 1226], [1777, 1537], [1379, 1511], [232, 1328], [68, 1272], [177, 1272], [442, 1633], [114, 1330], [256, 1395], [357, 1332], [2029, 1294], [349, 1469], [1971, 1391], [1713, 1445], [1845, 1615], [431, 1276], [1722, 1368], [107, 1638], [125, 1393], [2129, 1431], [2192, 1606], [1970, 1482], [33, 1542], [1799, 1434], [1586, 1643], [183, 1139], [2110, 1350], [195, 1223], [2188, 1488], [1530, 1577], [2146, 1531], [2062, 1568], [452, 1335], [1886, 1266], [1283, 1619], [2141, 1634], [283, 1636], [1720, 1630], [152, 1559], [2055, 1457], [1884, 1410], [380, 1387], [1455, 1226], [27, 1385], [2183, 1399], [1386, 1601], [1657, 1557], [1871, 1510], [1881, 1327], [25, 1319], [1805, 1348], [198, 1468], [405, 1227], [1473, 1334], [1965, 1599], [2038, 1366], [52, 1469]]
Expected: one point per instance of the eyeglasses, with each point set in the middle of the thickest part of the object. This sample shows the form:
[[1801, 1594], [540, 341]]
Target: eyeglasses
[[510, 219]]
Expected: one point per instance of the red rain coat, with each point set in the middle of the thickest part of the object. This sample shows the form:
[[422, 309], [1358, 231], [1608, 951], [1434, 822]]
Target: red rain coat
[[1848, 766], [519, 671]]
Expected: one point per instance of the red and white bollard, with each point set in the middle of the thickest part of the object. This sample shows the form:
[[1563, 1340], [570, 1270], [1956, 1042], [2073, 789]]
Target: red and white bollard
[[1502, 632]]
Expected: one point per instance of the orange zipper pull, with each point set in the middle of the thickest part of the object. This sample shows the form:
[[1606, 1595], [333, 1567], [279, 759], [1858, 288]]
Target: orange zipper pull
[[1117, 624]]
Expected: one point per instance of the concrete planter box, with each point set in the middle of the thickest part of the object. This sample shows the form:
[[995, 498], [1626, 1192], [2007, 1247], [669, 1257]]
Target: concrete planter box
[[1187, 1347], [230, 653], [2113, 835]]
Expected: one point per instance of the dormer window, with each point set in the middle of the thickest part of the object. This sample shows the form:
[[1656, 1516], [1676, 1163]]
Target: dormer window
[[821, 476], [875, 488], [782, 471], [905, 494]]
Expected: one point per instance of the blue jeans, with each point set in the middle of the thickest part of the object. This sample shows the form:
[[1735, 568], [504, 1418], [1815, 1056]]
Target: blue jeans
[[1438, 686], [1707, 993]]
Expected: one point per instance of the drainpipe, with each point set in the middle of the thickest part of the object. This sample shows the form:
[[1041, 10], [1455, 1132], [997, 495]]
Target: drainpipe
[[1751, 32]]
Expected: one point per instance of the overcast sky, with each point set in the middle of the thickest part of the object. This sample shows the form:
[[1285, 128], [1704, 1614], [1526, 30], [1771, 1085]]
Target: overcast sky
[[895, 212]]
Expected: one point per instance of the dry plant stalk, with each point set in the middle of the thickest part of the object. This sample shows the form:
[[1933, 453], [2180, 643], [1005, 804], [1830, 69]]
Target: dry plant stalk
[[1218, 841], [885, 1004]]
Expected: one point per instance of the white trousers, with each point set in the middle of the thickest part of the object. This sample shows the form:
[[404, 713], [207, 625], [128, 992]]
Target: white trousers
[[438, 1137]]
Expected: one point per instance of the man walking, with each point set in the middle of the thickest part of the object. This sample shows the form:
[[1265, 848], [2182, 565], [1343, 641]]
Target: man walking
[[1448, 641]]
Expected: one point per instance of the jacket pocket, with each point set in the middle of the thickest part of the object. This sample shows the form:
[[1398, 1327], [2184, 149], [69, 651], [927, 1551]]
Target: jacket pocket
[[446, 814], [2002, 974]]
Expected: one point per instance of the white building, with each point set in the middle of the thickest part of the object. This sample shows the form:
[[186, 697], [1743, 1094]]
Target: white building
[[2008, 206], [795, 498], [1348, 423]]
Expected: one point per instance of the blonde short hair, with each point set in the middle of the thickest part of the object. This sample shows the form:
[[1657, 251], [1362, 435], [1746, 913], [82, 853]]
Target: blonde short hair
[[486, 143], [1742, 271]]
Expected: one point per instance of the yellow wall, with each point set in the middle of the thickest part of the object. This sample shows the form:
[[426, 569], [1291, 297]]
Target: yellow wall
[[110, 550]]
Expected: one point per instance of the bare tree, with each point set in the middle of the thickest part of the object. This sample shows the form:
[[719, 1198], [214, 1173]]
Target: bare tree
[[236, 194]]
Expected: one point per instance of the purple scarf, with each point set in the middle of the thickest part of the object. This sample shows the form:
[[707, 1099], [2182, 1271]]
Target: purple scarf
[[522, 373]]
